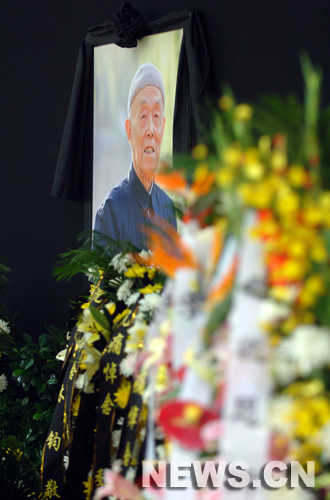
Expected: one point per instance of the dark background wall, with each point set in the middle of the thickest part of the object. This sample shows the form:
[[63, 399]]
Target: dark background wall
[[253, 45]]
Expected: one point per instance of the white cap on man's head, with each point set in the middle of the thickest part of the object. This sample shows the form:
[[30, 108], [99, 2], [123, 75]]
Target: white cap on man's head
[[146, 74]]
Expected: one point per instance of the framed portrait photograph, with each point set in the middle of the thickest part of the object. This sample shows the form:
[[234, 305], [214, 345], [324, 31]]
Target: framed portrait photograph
[[112, 155], [96, 152]]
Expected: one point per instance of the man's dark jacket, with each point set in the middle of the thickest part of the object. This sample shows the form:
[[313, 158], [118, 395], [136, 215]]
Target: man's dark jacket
[[128, 210]]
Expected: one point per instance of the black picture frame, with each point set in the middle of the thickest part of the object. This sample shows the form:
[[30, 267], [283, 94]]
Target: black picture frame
[[74, 171]]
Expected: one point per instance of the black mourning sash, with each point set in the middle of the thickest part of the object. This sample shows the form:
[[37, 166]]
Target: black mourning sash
[[90, 445]]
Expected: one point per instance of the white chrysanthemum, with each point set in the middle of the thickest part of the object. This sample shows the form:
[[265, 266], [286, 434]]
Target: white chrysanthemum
[[271, 312], [131, 299], [120, 260], [284, 370], [150, 302], [4, 328], [130, 474], [115, 437], [127, 365], [3, 382], [306, 350], [79, 383], [66, 462], [124, 290], [93, 273], [146, 254]]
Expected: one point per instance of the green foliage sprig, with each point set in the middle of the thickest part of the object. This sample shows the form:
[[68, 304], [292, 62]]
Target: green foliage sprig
[[84, 260], [26, 404]]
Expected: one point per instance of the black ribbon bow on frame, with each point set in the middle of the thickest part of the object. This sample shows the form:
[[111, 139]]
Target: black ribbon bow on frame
[[129, 26]]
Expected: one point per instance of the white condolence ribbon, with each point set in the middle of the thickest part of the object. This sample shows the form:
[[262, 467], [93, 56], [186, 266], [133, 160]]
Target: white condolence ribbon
[[247, 392]]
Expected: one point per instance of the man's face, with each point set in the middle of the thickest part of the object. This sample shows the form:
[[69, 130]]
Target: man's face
[[145, 130]]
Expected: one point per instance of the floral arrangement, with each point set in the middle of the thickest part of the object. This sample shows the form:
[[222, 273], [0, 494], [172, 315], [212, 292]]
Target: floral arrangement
[[273, 159], [136, 282]]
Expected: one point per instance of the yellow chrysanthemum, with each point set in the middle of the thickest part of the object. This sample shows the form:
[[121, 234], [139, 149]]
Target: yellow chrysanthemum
[[200, 152], [151, 273], [279, 160], [225, 177], [257, 195], [306, 298], [275, 339], [254, 171], [282, 293], [136, 271], [287, 203], [307, 317], [294, 269], [226, 103], [316, 284], [309, 415], [289, 324], [251, 155], [297, 248], [318, 251], [312, 215], [232, 156], [297, 176], [243, 112], [305, 452], [264, 144], [309, 388], [157, 287]]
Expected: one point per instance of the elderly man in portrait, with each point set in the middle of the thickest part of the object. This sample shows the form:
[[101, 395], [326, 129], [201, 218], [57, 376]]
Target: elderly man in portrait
[[126, 212]]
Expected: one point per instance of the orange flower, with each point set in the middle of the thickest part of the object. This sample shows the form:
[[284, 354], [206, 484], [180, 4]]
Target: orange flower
[[203, 180], [217, 244], [219, 292], [169, 251], [173, 181]]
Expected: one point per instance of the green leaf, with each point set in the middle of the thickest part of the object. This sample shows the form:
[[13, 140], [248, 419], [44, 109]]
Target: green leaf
[[100, 318], [43, 339], [25, 401], [27, 338], [218, 314], [29, 363], [14, 366], [17, 372], [41, 388], [37, 416], [52, 381]]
